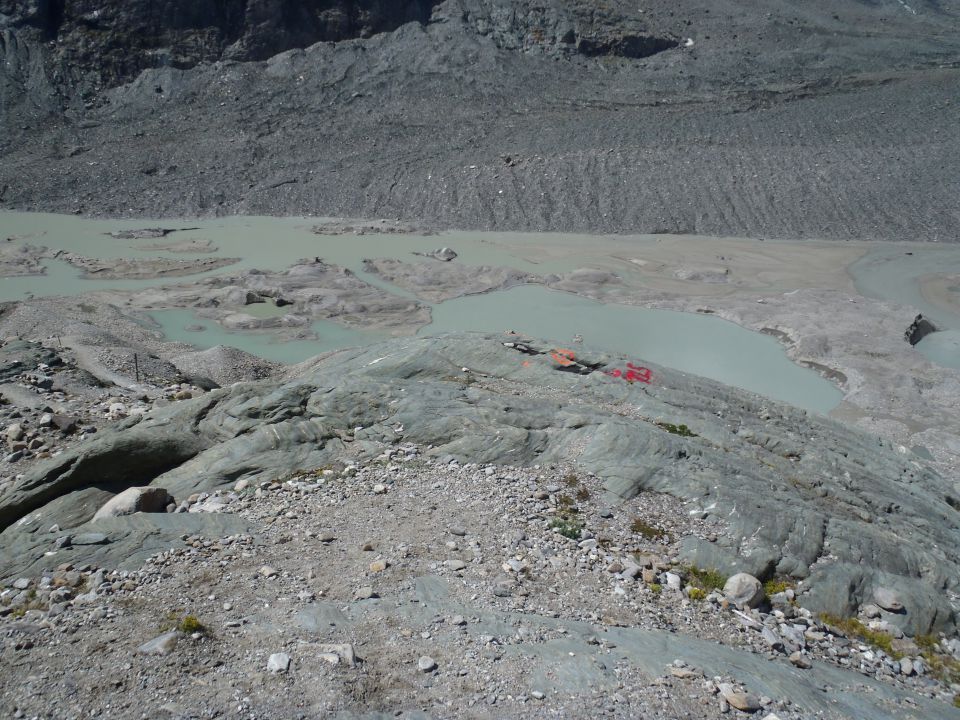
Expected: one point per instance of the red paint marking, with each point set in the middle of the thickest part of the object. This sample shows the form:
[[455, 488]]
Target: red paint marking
[[635, 373], [526, 363], [563, 357]]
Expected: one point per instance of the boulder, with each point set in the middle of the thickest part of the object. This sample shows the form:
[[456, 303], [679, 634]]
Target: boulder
[[134, 500], [744, 590]]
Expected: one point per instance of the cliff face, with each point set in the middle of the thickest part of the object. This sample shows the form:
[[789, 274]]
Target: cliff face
[[117, 39]]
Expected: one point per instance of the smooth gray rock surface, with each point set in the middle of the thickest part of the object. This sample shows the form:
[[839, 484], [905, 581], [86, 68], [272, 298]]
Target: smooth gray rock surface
[[796, 494]]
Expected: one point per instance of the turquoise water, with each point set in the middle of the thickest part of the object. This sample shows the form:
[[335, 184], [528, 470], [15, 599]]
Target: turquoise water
[[693, 343], [697, 344], [329, 336]]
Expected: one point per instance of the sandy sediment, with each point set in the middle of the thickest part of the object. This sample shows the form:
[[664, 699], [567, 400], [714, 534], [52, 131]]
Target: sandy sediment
[[141, 268]]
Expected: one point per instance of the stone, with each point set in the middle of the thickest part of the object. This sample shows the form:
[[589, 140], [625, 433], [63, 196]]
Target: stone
[[772, 639], [268, 571], [278, 663], [160, 645], [379, 566], [91, 538], [455, 565], [800, 660], [365, 593], [456, 530], [888, 599], [21, 583], [342, 651], [65, 424], [241, 485], [426, 664], [13, 434], [745, 702], [674, 582], [870, 611], [743, 590], [906, 667], [379, 489], [133, 500]]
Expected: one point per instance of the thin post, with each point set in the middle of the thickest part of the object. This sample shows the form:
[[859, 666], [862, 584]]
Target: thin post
[[136, 366]]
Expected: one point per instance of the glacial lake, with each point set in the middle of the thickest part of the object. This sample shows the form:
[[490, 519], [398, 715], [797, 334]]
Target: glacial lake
[[700, 344]]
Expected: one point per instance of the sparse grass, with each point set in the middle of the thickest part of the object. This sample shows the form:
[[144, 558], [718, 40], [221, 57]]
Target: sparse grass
[[583, 494], [944, 667], [655, 588], [641, 527], [191, 624], [571, 480], [706, 579], [565, 502], [774, 586], [566, 526], [956, 701], [187, 624], [681, 430], [696, 593], [855, 628]]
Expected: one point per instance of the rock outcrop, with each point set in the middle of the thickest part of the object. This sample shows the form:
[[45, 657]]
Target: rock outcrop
[[791, 494]]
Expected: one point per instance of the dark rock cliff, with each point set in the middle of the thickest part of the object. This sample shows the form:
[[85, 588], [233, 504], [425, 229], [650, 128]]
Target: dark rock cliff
[[118, 39]]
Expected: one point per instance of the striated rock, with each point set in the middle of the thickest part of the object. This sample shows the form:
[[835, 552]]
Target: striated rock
[[264, 430]]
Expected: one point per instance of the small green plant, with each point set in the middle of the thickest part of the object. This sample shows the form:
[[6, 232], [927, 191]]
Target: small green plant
[[774, 586], [583, 494], [641, 527], [565, 502], [655, 588], [944, 667], [706, 579], [956, 701], [568, 527], [191, 624], [696, 593], [681, 430], [187, 624], [855, 628]]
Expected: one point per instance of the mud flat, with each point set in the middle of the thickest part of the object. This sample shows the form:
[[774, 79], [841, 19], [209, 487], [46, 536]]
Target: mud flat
[[142, 268]]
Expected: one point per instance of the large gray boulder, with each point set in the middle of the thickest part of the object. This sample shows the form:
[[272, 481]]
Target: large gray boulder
[[744, 590], [133, 500]]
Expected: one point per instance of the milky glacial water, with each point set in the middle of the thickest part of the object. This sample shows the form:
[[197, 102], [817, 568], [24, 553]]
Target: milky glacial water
[[698, 344]]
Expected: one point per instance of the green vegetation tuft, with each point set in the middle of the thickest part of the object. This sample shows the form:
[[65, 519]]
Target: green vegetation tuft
[[706, 579], [568, 527], [571, 480], [681, 430], [641, 527], [191, 624], [855, 628], [774, 586], [187, 624], [956, 701], [655, 588], [944, 667], [696, 593], [583, 494]]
